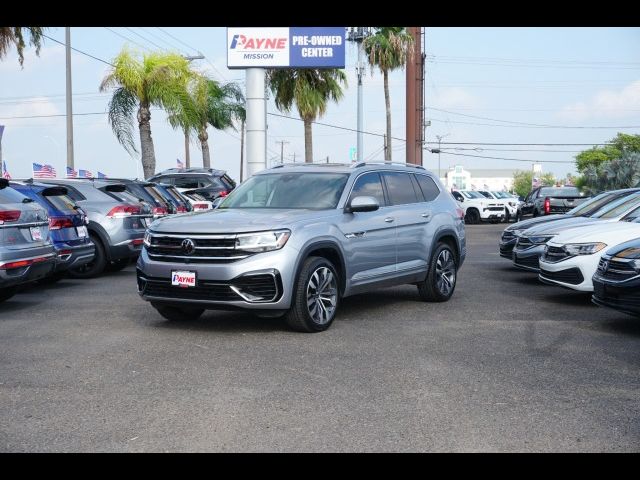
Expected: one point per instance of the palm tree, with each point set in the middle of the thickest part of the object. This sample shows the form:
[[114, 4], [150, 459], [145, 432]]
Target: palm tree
[[15, 36], [310, 89], [209, 103], [155, 79], [388, 49]]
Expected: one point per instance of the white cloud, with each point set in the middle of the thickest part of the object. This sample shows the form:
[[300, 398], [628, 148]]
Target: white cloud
[[606, 103], [33, 107]]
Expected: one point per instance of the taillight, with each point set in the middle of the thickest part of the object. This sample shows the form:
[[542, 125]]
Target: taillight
[[547, 206], [123, 211], [223, 193], [460, 213], [22, 263], [181, 209], [56, 223], [201, 206], [137, 241], [9, 216], [159, 211]]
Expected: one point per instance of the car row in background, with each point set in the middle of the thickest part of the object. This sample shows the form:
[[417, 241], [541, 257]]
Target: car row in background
[[486, 206], [53, 227], [594, 247], [549, 200]]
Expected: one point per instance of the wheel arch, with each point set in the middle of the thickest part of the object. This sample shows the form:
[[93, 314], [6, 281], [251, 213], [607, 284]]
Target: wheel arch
[[326, 249]]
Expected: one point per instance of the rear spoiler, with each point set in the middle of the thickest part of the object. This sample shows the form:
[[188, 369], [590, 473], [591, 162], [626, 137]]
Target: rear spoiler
[[116, 187], [54, 191]]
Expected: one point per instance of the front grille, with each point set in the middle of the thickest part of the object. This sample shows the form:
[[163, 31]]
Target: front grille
[[495, 209], [524, 242], [507, 235], [253, 288], [572, 276], [506, 250], [555, 254], [616, 270], [207, 248], [532, 261]]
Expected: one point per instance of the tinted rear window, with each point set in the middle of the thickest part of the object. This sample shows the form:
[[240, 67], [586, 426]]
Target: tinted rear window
[[429, 188], [559, 192], [9, 195], [63, 203], [400, 188]]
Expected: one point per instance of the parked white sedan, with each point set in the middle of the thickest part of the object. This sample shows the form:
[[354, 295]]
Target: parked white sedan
[[571, 258]]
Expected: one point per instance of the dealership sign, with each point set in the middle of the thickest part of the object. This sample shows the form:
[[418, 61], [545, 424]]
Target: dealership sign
[[286, 47]]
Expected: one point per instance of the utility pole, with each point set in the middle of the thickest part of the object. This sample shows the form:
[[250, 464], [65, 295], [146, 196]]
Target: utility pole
[[187, 156], [241, 150], [357, 35], [385, 147], [440, 137], [67, 36], [414, 99], [281, 142]]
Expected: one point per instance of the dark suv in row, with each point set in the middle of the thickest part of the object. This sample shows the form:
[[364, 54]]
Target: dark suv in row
[[208, 182]]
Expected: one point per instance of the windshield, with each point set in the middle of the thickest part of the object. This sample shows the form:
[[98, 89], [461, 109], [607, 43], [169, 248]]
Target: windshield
[[289, 190], [632, 217], [501, 195], [559, 192], [472, 194], [486, 194], [592, 205], [619, 207]]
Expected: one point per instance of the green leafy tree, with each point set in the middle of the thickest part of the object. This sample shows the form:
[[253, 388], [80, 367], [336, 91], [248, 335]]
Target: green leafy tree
[[16, 36], [140, 82], [547, 179], [388, 49], [621, 172], [310, 89], [597, 156], [209, 103], [522, 182]]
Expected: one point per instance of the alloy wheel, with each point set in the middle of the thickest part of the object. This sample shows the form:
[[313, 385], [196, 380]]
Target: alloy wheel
[[322, 295], [445, 272]]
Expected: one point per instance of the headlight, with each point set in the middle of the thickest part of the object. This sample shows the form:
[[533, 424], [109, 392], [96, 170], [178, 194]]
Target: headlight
[[262, 241], [540, 239], [147, 239], [584, 248]]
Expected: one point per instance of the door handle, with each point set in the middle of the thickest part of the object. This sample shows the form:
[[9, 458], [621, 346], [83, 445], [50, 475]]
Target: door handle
[[389, 219], [425, 215], [355, 235]]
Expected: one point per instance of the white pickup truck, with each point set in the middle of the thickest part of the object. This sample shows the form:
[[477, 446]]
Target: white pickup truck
[[477, 208], [509, 201]]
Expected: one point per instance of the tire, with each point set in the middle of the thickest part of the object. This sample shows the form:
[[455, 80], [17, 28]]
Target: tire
[[472, 217], [177, 314], [96, 266], [441, 278], [507, 215], [318, 276], [535, 212], [7, 293], [118, 265]]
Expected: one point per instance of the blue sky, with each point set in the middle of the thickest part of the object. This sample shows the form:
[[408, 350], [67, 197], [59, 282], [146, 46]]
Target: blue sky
[[568, 77]]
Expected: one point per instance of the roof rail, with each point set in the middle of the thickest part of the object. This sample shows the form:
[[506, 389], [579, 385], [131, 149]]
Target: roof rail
[[362, 164], [310, 164]]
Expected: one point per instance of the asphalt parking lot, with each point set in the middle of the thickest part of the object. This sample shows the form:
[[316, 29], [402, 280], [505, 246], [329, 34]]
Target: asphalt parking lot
[[508, 364]]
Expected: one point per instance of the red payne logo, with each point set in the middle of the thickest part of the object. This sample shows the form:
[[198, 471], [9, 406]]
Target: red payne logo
[[188, 280], [242, 42]]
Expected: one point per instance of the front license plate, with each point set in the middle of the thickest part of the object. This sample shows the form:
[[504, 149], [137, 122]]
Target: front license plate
[[36, 233], [82, 232], [598, 289], [183, 279]]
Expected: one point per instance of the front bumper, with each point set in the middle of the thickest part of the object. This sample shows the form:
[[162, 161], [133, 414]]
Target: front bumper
[[529, 258], [73, 257], [621, 296], [506, 247], [214, 281], [129, 248], [574, 272], [492, 214]]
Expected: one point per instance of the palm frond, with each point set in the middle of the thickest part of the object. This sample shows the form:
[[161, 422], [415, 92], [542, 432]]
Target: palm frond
[[16, 36], [121, 108]]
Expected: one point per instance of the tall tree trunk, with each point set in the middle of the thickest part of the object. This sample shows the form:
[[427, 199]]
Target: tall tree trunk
[[187, 156], [146, 142], [308, 142], [387, 104], [203, 136]]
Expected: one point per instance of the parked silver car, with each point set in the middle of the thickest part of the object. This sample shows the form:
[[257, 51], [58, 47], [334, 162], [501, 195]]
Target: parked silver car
[[117, 222], [26, 252], [295, 240]]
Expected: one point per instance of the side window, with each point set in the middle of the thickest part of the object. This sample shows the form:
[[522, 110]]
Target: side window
[[429, 188], [369, 185], [400, 188]]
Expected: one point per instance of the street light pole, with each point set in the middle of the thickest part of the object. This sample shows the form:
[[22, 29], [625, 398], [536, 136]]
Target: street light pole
[[440, 137], [357, 35], [67, 37]]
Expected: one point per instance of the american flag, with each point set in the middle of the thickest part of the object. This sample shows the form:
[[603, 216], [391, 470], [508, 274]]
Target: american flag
[[180, 163], [101, 175], [85, 174], [43, 171], [71, 173], [5, 172]]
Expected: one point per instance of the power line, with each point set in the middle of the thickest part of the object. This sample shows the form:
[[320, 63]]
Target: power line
[[145, 38], [477, 149], [509, 159], [528, 126], [531, 60], [172, 46], [177, 39], [126, 38], [526, 144], [520, 123], [79, 51]]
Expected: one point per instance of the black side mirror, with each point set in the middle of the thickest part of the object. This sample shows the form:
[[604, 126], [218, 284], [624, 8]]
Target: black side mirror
[[4, 183]]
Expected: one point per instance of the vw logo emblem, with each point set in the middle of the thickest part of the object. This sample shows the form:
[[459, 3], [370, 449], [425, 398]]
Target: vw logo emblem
[[605, 265], [188, 246]]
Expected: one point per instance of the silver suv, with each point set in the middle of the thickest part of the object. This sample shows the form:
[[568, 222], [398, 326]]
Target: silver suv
[[294, 240]]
